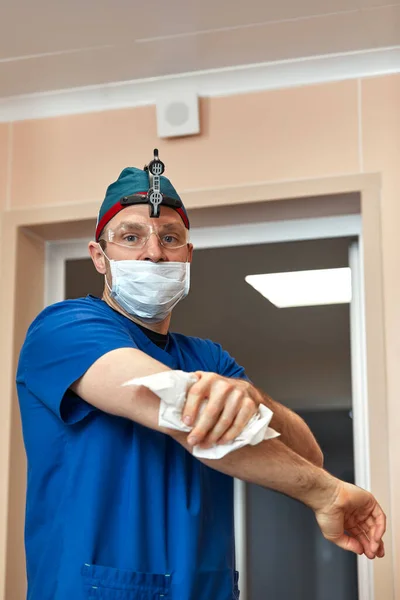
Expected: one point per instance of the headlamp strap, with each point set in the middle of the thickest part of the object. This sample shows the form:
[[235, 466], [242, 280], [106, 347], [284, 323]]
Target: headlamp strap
[[154, 196]]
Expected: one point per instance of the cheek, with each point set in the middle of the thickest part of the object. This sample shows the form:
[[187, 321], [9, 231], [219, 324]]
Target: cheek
[[182, 255], [108, 272], [115, 252]]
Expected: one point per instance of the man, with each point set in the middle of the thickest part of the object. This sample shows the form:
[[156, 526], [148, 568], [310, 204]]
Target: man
[[117, 506]]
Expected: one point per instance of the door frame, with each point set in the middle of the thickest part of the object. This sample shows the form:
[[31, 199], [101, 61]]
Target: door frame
[[23, 247], [296, 230]]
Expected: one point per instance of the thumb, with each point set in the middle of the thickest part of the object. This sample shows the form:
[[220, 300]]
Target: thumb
[[332, 529], [348, 543]]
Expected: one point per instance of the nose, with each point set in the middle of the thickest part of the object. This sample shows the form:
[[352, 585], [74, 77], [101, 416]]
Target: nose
[[153, 250]]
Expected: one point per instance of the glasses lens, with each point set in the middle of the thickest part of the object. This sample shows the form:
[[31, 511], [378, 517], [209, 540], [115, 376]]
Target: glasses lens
[[135, 235], [132, 235], [173, 236]]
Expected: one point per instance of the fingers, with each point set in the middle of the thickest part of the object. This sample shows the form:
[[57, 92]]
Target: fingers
[[237, 413], [351, 544], [247, 411], [379, 522], [218, 392], [358, 543], [375, 526], [226, 412], [226, 418], [381, 550], [362, 536], [197, 394], [370, 548]]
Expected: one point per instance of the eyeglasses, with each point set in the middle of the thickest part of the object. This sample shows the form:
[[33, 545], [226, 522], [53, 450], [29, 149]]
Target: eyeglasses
[[135, 236]]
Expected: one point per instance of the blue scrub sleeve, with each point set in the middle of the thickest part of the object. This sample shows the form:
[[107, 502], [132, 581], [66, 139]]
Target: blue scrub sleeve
[[61, 345], [227, 365]]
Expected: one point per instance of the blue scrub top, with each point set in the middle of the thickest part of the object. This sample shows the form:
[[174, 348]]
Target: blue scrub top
[[115, 510]]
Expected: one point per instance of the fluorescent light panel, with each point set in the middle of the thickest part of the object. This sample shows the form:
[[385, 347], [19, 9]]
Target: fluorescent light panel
[[304, 288]]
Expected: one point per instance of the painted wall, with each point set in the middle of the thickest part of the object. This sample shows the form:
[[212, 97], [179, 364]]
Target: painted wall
[[310, 132], [5, 152]]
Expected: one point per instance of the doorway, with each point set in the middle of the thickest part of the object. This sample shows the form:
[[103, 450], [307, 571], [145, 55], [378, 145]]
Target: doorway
[[238, 243], [301, 357]]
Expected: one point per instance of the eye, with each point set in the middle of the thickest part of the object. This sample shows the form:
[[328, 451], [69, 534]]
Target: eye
[[169, 239], [132, 239]]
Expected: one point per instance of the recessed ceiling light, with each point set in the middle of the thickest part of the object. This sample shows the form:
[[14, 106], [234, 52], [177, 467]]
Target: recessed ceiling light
[[304, 288]]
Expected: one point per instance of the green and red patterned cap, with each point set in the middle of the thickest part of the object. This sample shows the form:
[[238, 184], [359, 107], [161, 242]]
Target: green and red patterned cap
[[137, 186]]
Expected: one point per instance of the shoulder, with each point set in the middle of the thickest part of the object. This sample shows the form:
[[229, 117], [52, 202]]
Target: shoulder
[[63, 318], [74, 330], [209, 356], [195, 343], [205, 349], [76, 309]]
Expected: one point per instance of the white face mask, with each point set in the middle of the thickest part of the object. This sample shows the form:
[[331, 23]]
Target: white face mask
[[149, 290]]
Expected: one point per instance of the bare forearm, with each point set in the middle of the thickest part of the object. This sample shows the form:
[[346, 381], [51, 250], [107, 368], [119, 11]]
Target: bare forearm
[[294, 432], [272, 464], [101, 386]]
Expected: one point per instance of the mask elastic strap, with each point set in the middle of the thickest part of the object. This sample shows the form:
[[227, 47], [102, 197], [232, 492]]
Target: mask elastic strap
[[105, 274]]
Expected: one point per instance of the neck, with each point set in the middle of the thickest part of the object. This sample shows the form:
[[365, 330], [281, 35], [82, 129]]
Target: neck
[[161, 327]]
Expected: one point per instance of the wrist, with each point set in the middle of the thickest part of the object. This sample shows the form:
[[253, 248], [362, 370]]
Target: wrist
[[321, 491]]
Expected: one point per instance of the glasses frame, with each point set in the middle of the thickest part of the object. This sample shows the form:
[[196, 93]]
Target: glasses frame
[[107, 236]]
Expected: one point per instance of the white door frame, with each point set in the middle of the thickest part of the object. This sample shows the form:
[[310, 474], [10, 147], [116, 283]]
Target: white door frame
[[360, 404], [220, 235]]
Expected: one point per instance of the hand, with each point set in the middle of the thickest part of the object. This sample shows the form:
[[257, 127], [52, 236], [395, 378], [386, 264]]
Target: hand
[[231, 403], [353, 520]]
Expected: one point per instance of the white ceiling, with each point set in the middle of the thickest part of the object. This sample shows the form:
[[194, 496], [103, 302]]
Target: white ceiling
[[53, 44]]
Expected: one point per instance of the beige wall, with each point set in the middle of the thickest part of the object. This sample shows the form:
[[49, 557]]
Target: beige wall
[[4, 135], [381, 126], [291, 134], [311, 132]]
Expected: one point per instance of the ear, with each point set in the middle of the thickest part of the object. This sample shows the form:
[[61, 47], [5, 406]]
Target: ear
[[98, 258]]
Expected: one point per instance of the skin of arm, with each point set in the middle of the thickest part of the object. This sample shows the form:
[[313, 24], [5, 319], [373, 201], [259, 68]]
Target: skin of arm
[[101, 386], [294, 432], [347, 515], [222, 393]]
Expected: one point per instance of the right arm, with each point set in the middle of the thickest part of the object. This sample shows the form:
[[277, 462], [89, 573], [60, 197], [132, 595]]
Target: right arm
[[271, 464], [101, 386]]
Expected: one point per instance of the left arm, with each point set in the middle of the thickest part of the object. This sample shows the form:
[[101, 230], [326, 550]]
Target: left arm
[[295, 434], [230, 405]]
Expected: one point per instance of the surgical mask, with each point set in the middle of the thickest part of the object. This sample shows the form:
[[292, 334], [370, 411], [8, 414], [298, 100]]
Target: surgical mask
[[149, 290]]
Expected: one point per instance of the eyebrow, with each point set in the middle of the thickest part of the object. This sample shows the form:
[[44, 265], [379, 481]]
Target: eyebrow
[[172, 226], [133, 225], [130, 225]]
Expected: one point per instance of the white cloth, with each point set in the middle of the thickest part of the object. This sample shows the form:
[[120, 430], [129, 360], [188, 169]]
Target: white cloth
[[172, 388]]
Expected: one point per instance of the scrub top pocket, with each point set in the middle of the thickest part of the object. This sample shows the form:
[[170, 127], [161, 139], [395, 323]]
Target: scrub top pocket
[[108, 583]]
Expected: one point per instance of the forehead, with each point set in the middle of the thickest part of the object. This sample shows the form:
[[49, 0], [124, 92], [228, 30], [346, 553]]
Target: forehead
[[139, 213]]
